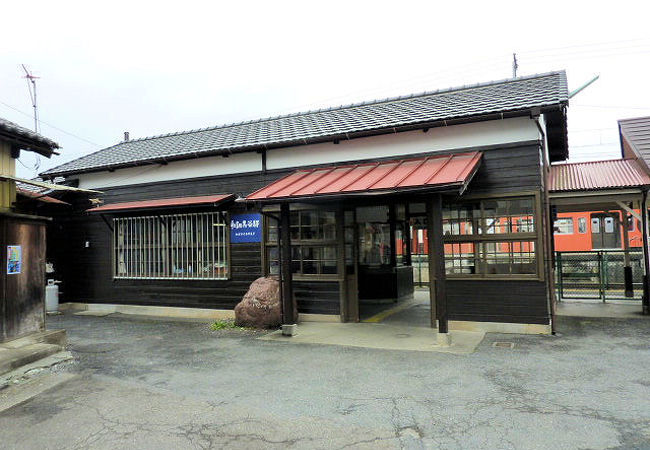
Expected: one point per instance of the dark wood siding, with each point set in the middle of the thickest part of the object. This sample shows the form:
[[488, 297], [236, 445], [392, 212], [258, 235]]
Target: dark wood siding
[[508, 170], [22, 295], [242, 184], [513, 301], [86, 272], [317, 297]]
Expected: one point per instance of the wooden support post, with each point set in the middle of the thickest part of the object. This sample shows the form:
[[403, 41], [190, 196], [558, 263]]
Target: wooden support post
[[437, 276], [288, 306], [646, 255], [627, 268], [406, 235], [341, 268], [392, 225]]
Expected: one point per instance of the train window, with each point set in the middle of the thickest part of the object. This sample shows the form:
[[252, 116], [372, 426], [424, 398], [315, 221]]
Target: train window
[[609, 224], [564, 226], [630, 223], [582, 225], [595, 225]]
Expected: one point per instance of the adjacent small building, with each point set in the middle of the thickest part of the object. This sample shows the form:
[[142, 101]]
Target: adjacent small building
[[22, 238], [324, 199]]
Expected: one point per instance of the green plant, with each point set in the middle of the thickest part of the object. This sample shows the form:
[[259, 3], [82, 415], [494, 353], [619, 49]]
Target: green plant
[[223, 324]]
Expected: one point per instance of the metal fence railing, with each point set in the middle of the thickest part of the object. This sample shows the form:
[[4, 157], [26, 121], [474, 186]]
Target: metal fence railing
[[597, 274]]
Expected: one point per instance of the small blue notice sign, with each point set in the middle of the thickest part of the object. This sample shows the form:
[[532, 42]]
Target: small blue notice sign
[[245, 228]]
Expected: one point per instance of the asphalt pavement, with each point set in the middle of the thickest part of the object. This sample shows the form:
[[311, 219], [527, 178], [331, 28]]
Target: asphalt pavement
[[145, 383]]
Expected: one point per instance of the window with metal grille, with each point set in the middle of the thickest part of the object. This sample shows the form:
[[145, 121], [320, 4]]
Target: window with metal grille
[[174, 246]]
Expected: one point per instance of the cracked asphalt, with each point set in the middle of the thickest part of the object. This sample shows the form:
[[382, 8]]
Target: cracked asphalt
[[142, 383]]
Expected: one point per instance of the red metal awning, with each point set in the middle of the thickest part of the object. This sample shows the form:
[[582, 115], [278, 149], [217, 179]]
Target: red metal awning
[[597, 175], [39, 197], [438, 171], [165, 203]]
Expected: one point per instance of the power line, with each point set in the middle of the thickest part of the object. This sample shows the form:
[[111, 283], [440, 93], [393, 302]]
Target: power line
[[588, 45], [641, 108], [50, 125]]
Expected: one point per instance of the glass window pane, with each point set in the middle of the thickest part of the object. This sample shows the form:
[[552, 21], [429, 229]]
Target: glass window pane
[[582, 225], [501, 258], [595, 225], [460, 258], [563, 226], [328, 223]]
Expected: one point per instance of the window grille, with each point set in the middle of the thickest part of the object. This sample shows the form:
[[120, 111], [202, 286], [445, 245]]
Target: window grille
[[174, 246]]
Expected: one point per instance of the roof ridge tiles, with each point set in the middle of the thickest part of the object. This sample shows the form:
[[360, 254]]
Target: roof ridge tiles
[[334, 122], [353, 105]]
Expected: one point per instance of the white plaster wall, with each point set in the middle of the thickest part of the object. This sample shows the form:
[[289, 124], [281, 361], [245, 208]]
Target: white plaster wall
[[436, 139], [176, 170], [470, 135]]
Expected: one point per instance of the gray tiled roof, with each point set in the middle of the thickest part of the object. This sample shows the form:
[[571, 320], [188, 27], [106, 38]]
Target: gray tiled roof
[[342, 122], [637, 134], [25, 134]]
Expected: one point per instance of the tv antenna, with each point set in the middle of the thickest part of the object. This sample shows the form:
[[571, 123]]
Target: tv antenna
[[515, 65], [31, 85]]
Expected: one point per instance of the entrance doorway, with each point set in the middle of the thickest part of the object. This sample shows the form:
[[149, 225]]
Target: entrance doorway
[[379, 266]]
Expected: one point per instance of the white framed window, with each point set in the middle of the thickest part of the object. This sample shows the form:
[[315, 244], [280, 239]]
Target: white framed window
[[563, 226], [595, 225], [582, 225], [173, 246]]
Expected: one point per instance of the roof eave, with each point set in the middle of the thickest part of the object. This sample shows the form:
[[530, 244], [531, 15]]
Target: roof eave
[[42, 148], [455, 120]]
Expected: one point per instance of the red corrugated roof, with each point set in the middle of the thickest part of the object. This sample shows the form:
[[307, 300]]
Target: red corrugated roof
[[40, 197], [165, 203], [431, 171], [594, 175]]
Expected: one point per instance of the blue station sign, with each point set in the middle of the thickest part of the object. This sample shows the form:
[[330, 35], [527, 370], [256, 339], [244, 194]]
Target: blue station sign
[[245, 228]]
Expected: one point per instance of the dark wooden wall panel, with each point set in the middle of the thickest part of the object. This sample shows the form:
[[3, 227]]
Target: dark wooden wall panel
[[508, 170], [516, 301], [317, 297], [22, 295]]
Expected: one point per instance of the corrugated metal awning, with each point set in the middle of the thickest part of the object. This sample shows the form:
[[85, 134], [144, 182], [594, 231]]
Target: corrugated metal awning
[[448, 171], [40, 197], [204, 200], [48, 186], [597, 175]]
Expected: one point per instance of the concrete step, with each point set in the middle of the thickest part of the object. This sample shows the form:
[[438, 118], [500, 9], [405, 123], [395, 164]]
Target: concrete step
[[35, 369], [13, 358], [56, 337]]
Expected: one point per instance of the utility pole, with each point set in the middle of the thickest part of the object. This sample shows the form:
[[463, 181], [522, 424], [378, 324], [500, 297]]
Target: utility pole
[[31, 85], [515, 66]]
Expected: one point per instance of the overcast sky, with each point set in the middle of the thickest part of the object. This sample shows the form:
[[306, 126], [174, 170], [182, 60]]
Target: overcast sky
[[158, 67]]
